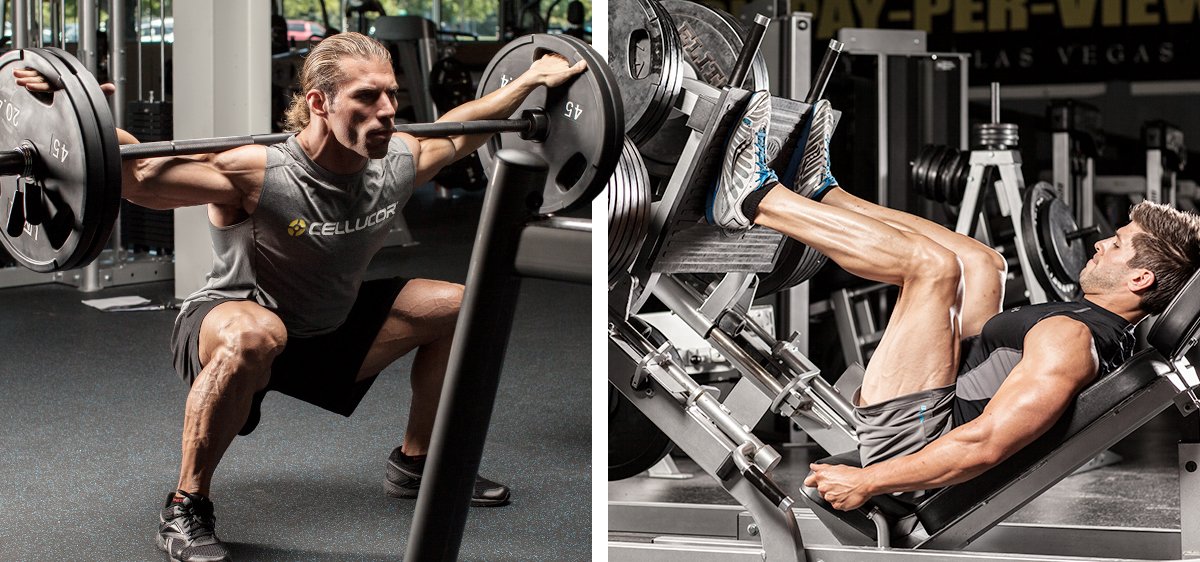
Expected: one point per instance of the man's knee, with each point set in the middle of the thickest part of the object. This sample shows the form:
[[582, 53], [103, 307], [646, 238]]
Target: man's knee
[[434, 307], [934, 264], [984, 259], [244, 346]]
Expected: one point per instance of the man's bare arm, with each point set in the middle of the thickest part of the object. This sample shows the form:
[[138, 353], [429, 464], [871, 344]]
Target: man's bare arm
[[1058, 361], [433, 154], [229, 179]]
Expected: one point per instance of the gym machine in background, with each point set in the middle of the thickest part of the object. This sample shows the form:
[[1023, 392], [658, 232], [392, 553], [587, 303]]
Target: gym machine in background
[[1077, 140], [1166, 157]]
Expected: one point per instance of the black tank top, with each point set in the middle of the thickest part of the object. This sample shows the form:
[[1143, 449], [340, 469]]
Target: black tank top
[[989, 357]]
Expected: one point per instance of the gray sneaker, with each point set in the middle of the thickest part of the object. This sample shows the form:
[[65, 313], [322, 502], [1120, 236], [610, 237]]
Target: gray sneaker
[[744, 169], [815, 176], [186, 530]]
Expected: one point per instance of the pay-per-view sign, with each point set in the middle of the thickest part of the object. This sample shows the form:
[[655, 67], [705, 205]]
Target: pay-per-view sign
[[1039, 41]]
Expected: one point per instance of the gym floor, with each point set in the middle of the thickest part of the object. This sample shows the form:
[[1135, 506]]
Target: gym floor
[[91, 411], [1139, 491]]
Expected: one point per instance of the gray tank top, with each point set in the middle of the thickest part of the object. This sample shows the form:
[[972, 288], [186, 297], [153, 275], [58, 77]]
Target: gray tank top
[[305, 249]]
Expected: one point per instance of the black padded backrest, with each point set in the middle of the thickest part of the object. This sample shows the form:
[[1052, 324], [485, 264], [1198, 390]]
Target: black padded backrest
[[1176, 326], [1094, 402]]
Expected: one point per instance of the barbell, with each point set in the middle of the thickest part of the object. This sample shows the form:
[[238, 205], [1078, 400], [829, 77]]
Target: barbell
[[60, 184]]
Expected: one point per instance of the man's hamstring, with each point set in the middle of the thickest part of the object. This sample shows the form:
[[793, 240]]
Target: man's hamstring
[[424, 313]]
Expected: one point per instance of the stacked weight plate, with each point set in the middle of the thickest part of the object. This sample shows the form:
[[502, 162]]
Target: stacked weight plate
[[628, 211], [710, 41], [646, 59]]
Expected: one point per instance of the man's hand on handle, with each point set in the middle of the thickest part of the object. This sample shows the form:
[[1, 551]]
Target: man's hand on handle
[[844, 487], [553, 70], [33, 81]]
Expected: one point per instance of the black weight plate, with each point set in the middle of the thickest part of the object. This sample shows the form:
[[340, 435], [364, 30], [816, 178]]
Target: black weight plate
[[1037, 211], [109, 203], [72, 168], [920, 166], [450, 84], [1065, 257], [959, 185], [710, 42], [644, 54], [634, 443], [628, 211], [944, 172], [929, 173], [933, 173], [586, 121]]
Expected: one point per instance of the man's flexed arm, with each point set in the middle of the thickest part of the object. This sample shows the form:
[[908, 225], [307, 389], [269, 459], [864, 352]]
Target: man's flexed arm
[[230, 179], [1058, 361], [435, 153]]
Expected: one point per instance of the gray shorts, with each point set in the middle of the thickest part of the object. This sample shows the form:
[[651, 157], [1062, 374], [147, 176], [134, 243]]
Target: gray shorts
[[903, 425]]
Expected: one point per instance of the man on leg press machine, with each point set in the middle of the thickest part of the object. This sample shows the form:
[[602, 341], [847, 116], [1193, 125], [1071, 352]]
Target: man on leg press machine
[[955, 386]]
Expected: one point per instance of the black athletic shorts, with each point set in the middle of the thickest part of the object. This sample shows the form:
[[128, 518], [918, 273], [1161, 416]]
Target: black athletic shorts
[[320, 369]]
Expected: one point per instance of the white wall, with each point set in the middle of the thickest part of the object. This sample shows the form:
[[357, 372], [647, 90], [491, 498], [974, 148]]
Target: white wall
[[222, 86]]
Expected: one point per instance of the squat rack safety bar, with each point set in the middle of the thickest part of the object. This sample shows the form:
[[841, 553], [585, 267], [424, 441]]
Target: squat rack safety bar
[[507, 224]]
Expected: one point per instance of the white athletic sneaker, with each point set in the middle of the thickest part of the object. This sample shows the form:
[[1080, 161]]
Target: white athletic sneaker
[[815, 176], [744, 169]]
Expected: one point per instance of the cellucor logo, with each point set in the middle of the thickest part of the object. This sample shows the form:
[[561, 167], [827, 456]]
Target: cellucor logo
[[296, 227], [301, 226]]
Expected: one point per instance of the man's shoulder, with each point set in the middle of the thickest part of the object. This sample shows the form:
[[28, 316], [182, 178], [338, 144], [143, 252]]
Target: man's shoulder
[[1063, 324], [242, 159], [403, 144]]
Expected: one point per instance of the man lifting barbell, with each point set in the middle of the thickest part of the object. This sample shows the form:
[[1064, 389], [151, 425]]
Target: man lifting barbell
[[955, 386], [294, 226]]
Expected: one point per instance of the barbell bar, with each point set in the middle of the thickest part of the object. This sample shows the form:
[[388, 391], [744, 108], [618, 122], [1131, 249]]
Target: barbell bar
[[532, 124]]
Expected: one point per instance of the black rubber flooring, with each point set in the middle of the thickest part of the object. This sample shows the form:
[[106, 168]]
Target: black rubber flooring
[[91, 411]]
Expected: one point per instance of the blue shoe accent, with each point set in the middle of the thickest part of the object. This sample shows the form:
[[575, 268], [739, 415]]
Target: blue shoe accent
[[745, 168]]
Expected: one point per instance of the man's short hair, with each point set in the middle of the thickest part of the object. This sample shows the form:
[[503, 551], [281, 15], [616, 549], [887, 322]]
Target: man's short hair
[[323, 71], [1170, 248]]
